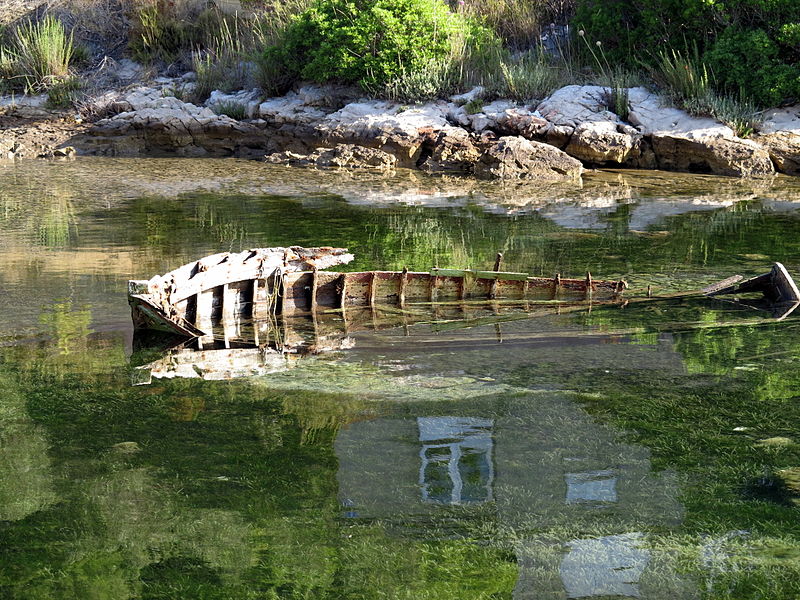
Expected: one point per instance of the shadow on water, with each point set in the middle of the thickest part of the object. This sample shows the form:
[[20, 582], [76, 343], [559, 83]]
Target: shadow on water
[[648, 451]]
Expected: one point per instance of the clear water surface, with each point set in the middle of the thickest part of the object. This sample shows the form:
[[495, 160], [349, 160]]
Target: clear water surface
[[645, 451]]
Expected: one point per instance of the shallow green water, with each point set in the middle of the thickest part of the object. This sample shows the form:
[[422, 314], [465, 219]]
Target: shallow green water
[[612, 452]]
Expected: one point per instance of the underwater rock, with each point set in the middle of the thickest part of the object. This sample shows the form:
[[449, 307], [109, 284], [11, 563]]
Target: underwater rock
[[347, 156], [126, 448]]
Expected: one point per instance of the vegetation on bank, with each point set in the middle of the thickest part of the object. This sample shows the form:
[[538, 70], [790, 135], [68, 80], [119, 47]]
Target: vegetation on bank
[[725, 60]]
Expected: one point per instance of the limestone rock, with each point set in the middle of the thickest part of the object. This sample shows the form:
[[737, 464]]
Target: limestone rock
[[384, 125], [247, 99], [454, 151], [779, 133], [460, 99], [575, 104], [649, 114], [601, 142], [682, 142], [721, 156], [784, 150], [518, 158]]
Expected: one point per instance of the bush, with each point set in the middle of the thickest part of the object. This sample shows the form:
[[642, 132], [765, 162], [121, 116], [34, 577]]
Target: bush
[[687, 81], [750, 61], [373, 42], [518, 22], [232, 109], [63, 94], [224, 64], [753, 46]]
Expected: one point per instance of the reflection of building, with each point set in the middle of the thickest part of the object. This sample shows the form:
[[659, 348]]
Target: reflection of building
[[455, 459], [575, 497]]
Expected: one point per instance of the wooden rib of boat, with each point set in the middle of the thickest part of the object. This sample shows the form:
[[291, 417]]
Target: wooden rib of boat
[[265, 282]]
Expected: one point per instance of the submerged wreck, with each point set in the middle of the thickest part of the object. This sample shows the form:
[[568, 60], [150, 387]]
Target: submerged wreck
[[266, 282], [258, 312]]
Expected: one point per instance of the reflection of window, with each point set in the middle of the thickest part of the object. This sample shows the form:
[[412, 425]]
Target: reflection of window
[[606, 566], [591, 487], [456, 459]]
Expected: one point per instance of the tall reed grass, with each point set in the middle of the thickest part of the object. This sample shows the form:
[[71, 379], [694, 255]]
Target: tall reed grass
[[531, 77], [39, 54]]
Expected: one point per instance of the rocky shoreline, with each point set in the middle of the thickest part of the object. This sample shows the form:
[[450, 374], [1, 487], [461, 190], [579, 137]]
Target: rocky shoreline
[[330, 126]]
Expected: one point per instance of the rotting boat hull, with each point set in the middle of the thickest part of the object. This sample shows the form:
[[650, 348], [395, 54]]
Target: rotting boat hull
[[262, 283]]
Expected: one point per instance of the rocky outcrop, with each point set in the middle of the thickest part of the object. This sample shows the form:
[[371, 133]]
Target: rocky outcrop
[[586, 130], [301, 128], [518, 158], [779, 133], [656, 136], [681, 142], [459, 136], [454, 150], [721, 156]]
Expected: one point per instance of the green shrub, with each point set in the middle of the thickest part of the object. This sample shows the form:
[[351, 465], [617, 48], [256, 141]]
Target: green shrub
[[373, 42], [224, 64], [157, 34], [474, 106], [750, 61], [64, 93], [531, 77], [683, 76], [437, 79], [753, 46], [519, 23], [688, 82]]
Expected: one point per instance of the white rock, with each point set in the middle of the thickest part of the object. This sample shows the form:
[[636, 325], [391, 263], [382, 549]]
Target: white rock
[[24, 100], [289, 108], [650, 115], [477, 92], [458, 114], [128, 70], [576, 104], [778, 120]]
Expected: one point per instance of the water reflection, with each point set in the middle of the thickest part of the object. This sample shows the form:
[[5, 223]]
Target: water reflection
[[608, 566], [456, 459], [622, 451], [591, 487]]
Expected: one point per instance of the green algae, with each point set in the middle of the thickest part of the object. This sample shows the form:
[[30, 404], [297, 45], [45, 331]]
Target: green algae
[[611, 434]]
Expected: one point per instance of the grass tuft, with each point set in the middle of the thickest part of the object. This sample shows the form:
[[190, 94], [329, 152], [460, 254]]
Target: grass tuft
[[689, 83], [229, 61], [231, 108], [615, 79], [532, 77], [438, 79], [40, 55]]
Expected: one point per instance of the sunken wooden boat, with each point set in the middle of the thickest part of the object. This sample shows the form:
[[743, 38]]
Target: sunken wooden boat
[[264, 283]]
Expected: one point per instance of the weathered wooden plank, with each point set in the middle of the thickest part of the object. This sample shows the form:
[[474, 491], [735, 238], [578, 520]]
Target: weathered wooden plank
[[401, 292], [478, 274], [314, 286]]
